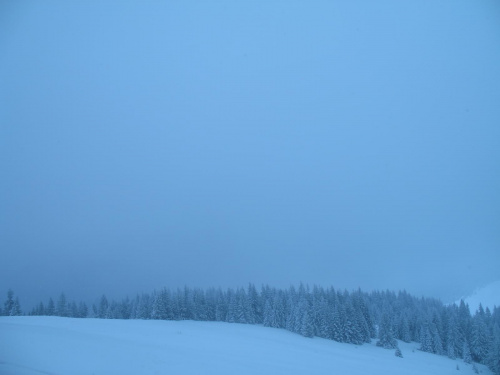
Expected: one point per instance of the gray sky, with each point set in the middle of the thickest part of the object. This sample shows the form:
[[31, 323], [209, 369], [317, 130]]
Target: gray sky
[[216, 143]]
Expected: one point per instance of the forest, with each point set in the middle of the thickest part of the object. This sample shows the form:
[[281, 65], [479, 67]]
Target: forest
[[349, 317]]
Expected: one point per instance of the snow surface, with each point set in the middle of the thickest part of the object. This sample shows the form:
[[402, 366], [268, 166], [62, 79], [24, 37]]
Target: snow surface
[[488, 296], [53, 345]]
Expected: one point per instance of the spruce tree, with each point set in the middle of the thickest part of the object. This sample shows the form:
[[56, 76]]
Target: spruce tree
[[82, 310], [103, 307], [452, 338], [62, 306], [385, 335], [16, 308], [337, 328], [268, 314], [480, 337], [464, 324], [41, 309], [425, 339], [220, 307], [256, 309], [9, 303], [466, 353], [437, 344], [404, 330], [493, 358], [51, 309], [307, 329]]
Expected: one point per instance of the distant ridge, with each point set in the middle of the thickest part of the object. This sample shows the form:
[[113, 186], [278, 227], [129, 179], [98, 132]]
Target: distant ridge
[[487, 296]]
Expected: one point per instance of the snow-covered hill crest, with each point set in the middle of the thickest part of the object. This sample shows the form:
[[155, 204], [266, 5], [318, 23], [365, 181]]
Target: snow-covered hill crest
[[53, 345], [487, 296]]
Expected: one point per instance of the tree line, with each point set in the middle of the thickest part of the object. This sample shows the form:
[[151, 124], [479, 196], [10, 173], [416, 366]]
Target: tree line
[[349, 317]]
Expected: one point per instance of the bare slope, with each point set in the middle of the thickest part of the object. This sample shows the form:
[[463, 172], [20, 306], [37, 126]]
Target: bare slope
[[488, 296]]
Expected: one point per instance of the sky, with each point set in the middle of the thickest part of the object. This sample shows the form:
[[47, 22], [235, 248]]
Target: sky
[[217, 143]]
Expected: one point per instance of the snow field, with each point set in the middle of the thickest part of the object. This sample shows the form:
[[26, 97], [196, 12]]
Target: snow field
[[54, 345]]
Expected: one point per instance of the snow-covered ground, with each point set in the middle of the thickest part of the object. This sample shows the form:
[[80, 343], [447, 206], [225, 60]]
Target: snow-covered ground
[[52, 345], [488, 296]]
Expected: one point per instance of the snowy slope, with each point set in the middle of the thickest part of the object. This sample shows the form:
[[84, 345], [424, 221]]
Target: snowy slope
[[52, 345], [488, 296]]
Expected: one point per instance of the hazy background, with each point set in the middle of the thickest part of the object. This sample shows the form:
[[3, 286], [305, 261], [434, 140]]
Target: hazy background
[[216, 143]]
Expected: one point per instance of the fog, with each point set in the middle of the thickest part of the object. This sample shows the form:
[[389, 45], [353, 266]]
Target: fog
[[353, 144]]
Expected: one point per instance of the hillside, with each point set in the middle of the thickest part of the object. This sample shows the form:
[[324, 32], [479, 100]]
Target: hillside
[[54, 345], [488, 296]]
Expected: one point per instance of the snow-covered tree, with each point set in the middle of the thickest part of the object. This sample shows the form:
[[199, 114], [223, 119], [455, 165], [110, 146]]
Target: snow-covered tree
[[466, 353], [16, 308], [103, 308], [83, 310], [452, 338], [426, 339], [254, 303], [437, 343], [404, 329], [480, 337], [9, 303], [337, 324], [493, 358], [62, 308], [307, 328], [268, 314], [385, 334], [51, 309]]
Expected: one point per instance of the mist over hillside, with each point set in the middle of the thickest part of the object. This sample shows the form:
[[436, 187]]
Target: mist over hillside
[[487, 296]]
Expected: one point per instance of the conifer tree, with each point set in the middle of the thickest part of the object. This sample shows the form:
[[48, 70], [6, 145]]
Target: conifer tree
[[425, 339], [464, 324], [51, 309], [307, 329], [231, 307], [16, 308], [268, 314], [386, 335], [493, 357], [279, 311], [337, 324], [41, 309], [322, 319], [437, 344], [404, 330], [103, 307], [255, 304], [480, 337], [143, 310], [220, 307], [452, 338], [82, 310], [9, 303], [290, 319], [160, 307], [466, 353], [62, 306], [73, 310]]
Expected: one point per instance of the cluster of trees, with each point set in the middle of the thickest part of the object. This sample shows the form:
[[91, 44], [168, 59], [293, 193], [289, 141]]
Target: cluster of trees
[[62, 308], [355, 317], [11, 307]]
